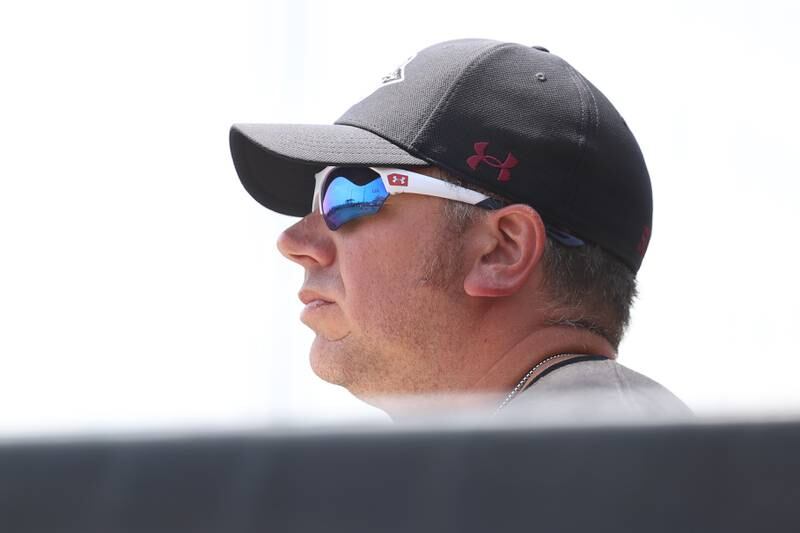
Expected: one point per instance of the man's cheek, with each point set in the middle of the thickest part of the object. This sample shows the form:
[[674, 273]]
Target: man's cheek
[[381, 301]]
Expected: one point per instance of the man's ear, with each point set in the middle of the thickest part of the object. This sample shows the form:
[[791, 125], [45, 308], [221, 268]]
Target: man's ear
[[510, 243]]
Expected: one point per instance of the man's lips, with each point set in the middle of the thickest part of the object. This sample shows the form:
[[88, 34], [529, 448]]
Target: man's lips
[[314, 304], [322, 314], [314, 313], [313, 299]]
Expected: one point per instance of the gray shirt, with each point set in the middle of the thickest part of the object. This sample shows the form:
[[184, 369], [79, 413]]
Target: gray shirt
[[596, 390]]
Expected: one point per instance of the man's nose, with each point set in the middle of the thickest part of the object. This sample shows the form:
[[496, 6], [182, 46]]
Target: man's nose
[[308, 242]]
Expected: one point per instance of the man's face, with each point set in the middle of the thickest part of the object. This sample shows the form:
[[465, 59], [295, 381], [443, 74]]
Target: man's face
[[382, 295]]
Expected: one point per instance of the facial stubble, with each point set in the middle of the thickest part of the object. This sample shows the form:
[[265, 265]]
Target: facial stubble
[[407, 347]]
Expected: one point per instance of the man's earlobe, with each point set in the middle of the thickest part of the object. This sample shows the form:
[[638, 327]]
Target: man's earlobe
[[513, 243]]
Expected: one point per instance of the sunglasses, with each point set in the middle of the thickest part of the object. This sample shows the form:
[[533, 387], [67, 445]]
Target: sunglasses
[[343, 194]]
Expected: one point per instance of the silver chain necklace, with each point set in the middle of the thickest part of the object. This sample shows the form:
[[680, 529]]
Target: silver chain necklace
[[525, 379]]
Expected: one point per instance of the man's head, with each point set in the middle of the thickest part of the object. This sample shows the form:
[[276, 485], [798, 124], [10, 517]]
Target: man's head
[[426, 281]]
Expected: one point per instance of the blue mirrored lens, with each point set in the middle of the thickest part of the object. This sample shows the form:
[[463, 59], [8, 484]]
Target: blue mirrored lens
[[345, 201]]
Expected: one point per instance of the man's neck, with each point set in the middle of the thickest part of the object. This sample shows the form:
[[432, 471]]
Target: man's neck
[[506, 369], [482, 369], [485, 380]]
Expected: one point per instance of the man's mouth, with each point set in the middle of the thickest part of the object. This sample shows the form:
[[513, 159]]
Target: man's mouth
[[322, 314], [315, 304], [313, 299]]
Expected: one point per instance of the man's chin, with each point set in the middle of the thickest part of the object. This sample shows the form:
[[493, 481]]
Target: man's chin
[[329, 360], [346, 363]]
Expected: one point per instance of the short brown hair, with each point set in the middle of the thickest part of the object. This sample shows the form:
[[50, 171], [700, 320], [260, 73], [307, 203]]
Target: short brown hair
[[589, 287]]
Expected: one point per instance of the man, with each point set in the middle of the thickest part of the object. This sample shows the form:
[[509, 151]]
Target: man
[[507, 267]]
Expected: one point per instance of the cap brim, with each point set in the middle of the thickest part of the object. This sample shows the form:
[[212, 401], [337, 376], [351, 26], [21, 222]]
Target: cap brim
[[276, 162]]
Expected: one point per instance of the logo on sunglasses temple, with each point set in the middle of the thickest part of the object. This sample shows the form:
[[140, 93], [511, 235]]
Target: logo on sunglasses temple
[[399, 180]]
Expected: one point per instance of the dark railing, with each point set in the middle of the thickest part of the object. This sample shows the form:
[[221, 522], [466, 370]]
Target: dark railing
[[678, 478]]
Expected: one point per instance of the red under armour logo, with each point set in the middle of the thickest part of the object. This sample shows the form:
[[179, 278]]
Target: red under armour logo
[[480, 157], [644, 241], [401, 180]]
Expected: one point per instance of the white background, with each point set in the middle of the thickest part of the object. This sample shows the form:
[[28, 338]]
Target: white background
[[140, 287]]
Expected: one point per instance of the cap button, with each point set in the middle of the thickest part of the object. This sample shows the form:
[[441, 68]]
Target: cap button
[[541, 48]]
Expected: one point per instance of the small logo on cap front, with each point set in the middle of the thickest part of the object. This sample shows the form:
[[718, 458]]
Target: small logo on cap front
[[480, 157], [399, 180], [398, 74]]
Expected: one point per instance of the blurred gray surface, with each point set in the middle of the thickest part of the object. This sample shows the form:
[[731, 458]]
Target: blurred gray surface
[[716, 477]]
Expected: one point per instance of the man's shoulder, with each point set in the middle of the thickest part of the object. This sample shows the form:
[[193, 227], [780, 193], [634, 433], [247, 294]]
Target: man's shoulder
[[588, 389]]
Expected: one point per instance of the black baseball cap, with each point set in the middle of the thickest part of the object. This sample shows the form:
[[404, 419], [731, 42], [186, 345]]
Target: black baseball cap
[[511, 119]]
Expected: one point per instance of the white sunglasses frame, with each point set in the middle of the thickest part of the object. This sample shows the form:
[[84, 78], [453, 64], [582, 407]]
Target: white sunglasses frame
[[429, 186], [413, 183]]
